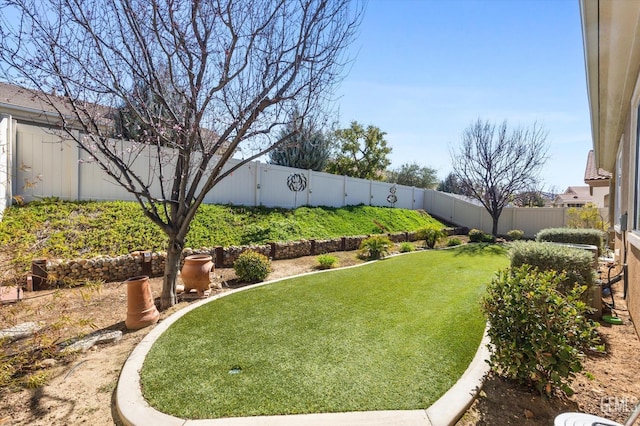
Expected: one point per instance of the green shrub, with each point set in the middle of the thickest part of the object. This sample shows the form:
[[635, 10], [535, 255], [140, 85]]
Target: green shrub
[[251, 266], [430, 236], [475, 235], [515, 235], [375, 247], [406, 247], [593, 237], [327, 261], [453, 241], [488, 238], [576, 263], [538, 335]]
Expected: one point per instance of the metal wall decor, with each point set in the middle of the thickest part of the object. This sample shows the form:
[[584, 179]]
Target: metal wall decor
[[296, 182], [392, 198]]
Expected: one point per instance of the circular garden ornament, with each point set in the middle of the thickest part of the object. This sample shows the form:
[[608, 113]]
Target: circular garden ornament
[[296, 182]]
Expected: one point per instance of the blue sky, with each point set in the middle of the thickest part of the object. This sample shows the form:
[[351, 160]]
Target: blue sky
[[426, 69]]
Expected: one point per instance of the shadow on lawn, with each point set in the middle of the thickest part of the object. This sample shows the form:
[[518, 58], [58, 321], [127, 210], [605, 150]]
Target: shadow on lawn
[[475, 249]]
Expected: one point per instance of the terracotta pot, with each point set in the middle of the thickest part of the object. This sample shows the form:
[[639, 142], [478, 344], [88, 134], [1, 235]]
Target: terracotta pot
[[141, 311], [195, 273]]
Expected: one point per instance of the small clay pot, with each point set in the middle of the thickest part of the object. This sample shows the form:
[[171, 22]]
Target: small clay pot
[[141, 311], [195, 273]]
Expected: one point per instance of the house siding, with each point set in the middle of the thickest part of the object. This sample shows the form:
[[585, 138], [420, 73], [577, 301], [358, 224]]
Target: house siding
[[629, 243], [633, 295]]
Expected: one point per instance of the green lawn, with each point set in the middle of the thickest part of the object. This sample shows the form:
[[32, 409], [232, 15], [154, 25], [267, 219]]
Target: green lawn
[[390, 335]]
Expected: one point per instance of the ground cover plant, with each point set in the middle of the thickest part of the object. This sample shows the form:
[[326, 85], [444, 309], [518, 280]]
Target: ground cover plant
[[387, 335], [58, 229]]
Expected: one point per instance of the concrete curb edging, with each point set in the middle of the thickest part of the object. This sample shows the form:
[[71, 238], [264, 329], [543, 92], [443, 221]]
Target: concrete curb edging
[[134, 410], [448, 409]]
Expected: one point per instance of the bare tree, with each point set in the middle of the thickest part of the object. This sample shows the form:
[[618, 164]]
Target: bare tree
[[493, 164], [224, 77]]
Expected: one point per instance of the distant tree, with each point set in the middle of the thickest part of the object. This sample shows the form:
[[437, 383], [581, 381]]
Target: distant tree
[[452, 185], [495, 163], [587, 216], [531, 198], [414, 175], [147, 109], [361, 153], [304, 148]]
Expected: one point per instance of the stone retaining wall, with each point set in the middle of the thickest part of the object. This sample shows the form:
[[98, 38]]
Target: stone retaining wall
[[51, 272]]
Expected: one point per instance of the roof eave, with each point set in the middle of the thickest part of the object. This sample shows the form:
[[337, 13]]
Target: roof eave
[[611, 37]]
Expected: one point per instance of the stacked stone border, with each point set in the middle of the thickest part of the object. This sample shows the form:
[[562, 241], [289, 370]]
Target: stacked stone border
[[47, 273]]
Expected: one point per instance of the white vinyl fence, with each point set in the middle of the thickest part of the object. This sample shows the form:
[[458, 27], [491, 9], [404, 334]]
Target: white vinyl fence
[[37, 163], [48, 166], [464, 213], [5, 164]]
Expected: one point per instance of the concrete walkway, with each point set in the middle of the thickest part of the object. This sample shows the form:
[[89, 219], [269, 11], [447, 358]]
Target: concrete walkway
[[134, 410]]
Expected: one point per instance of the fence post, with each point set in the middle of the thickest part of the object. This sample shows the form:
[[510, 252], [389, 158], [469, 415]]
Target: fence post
[[344, 191], [309, 182], [413, 198], [5, 159], [256, 188], [219, 259]]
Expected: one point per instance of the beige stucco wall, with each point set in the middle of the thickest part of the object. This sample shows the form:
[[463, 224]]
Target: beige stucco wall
[[599, 193], [633, 295], [627, 143]]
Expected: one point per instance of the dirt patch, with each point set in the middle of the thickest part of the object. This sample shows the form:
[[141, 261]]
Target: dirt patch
[[81, 391]]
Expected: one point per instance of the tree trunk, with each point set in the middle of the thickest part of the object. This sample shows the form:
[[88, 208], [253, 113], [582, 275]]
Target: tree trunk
[[494, 229], [171, 266]]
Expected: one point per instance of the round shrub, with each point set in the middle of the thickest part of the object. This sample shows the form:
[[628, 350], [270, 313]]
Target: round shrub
[[488, 238], [375, 247], [327, 261], [251, 266], [475, 235], [515, 235], [406, 247], [453, 241], [538, 335]]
